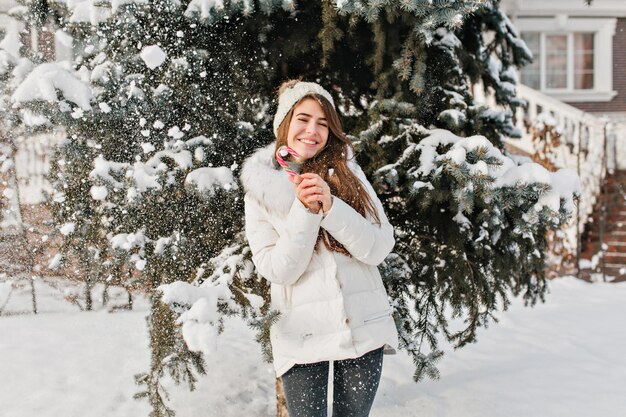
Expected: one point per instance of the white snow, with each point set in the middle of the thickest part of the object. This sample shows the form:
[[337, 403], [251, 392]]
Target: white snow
[[200, 336], [8, 193], [448, 39], [6, 288], [161, 89], [462, 220], [146, 174], [200, 322], [128, 241], [526, 173], [543, 120], [64, 38], [98, 192], [198, 154], [153, 56], [198, 140], [6, 61], [457, 117], [140, 264], [44, 81], [64, 106], [55, 262], [67, 228], [421, 184], [161, 244], [175, 132], [144, 178], [33, 119], [88, 11], [181, 63], [102, 169], [101, 72], [115, 4], [207, 178], [104, 107], [77, 113], [561, 358], [564, 184], [6, 165], [11, 41], [147, 147], [204, 7]]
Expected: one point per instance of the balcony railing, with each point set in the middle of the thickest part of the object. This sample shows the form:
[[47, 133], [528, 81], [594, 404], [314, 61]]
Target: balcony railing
[[589, 145]]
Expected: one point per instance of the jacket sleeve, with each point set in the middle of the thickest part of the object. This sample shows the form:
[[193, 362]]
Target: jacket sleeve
[[281, 259], [368, 242]]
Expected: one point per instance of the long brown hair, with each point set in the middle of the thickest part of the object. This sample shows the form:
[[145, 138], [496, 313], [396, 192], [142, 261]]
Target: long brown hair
[[331, 163]]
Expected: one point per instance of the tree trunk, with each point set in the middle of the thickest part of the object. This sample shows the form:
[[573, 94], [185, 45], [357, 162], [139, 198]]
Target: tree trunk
[[33, 294], [281, 403], [23, 238], [105, 294], [88, 300]]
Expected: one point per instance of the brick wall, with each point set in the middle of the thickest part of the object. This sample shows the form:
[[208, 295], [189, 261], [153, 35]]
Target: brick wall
[[618, 104]]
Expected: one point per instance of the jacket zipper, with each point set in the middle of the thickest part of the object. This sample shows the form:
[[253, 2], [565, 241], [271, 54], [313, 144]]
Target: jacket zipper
[[379, 316]]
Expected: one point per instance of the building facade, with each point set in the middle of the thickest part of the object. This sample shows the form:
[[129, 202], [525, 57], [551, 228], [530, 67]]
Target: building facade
[[579, 50]]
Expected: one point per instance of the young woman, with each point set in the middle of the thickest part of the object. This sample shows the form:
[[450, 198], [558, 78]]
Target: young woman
[[318, 238]]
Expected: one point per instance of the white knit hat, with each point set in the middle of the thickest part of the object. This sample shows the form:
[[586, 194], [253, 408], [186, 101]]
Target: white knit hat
[[292, 95]]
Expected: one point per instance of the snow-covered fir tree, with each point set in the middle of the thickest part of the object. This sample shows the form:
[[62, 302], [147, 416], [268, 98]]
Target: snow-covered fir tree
[[165, 99], [157, 114]]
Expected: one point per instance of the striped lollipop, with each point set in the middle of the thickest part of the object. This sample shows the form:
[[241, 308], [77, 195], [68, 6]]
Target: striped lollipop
[[281, 154]]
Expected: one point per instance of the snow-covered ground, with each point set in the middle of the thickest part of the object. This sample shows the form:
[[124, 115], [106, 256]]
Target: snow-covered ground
[[566, 357]]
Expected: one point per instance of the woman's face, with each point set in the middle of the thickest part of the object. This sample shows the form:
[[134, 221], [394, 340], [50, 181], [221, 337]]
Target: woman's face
[[308, 129]]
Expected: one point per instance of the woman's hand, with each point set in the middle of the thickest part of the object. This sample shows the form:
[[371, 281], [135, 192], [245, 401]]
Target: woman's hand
[[313, 192]]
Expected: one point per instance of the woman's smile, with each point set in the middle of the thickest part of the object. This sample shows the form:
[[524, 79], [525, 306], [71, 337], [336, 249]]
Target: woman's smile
[[309, 142], [308, 129]]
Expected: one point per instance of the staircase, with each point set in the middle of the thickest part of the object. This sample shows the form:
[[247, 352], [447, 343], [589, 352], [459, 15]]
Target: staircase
[[605, 234]]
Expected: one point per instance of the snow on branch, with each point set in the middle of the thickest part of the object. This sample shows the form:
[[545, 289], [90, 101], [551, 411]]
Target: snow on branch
[[11, 43], [133, 243], [102, 170], [88, 11], [204, 305], [207, 179], [563, 186], [46, 80], [210, 9]]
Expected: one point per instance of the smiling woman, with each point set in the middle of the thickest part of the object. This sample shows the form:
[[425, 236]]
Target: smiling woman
[[318, 238]]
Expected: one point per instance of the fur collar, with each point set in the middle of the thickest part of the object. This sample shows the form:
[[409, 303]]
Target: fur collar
[[270, 186], [267, 185]]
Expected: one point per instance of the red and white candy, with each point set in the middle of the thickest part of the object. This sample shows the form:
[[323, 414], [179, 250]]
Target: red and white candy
[[282, 153]]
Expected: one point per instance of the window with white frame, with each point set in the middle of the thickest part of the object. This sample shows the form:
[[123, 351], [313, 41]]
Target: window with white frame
[[573, 59], [562, 61]]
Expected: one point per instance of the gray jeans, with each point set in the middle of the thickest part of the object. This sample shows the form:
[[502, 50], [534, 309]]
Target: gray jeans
[[355, 382]]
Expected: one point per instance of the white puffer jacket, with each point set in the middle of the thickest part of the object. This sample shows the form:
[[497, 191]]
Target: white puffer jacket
[[332, 306]]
